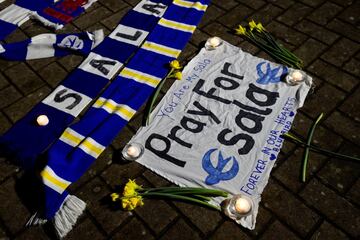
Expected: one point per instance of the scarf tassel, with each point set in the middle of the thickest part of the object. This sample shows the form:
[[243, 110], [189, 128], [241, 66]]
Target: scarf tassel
[[65, 218]]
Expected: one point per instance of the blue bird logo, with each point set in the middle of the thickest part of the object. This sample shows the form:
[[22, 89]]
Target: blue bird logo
[[216, 174], [271, 75], [72, 42]]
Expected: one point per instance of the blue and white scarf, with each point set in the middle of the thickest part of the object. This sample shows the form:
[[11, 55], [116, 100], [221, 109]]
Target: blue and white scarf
[[51, 45], [51, 14], [26, 140], [81, 144]]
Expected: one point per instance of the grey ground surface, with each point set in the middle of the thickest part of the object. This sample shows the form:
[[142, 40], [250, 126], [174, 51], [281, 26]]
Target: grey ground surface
[[325, 34]]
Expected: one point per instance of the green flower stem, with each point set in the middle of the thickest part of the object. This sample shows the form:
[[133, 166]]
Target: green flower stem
[[156, 94], [184, 198], [289, 135], [275, 46], [273, 52], [323, 151], [273, 42], [267, 43], [307, 149], [280, 58], [332, 154], [187, 190], [268, 38], [203, 198]]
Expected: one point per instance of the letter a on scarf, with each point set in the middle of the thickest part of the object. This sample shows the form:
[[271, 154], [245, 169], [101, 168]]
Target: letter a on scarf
[[46, 11]]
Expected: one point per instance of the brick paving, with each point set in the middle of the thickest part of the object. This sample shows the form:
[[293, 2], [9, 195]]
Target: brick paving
[[325, 34]]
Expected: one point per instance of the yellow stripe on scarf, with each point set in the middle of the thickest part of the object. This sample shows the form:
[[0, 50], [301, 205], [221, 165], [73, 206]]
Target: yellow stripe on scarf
[[197, 5], [177, 25], [140, 77], [111, 106], [54, 181], [161, 49], [71, 137], [91, 147]]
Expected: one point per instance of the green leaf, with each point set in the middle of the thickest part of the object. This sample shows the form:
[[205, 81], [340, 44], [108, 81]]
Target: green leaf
[[155, 96], [179, 197], [307, 148], [314, 148]]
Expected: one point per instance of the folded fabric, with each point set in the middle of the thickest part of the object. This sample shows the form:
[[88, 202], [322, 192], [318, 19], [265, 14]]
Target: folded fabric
[[52, 45], [222, 126], [51, 14]]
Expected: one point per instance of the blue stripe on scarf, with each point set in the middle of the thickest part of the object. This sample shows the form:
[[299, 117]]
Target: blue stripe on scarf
[[34, 5], [131, 20], [172, 37], [126, 49], [191, 15], [148, 62], [6, 29], [79, 78]]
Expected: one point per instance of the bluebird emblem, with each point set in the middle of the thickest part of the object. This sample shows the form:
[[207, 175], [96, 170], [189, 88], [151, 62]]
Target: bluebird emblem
[[271, 75], [216, 174], [72, 42]]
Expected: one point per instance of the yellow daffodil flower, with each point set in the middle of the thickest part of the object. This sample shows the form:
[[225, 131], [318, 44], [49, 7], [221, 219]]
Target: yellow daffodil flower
[[129, 191], [130, 188], [175, 64], [260, 27], [137, 201], [252, 25], [125, 202], [178, 75], [131, 203], [240, 30], [114, 196], [132, 184]]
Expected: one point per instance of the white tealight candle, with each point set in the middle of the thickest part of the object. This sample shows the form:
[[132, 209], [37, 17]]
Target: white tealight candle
[[242, 206], [133, 151], [297, 76], [42, 120], [214, 41]]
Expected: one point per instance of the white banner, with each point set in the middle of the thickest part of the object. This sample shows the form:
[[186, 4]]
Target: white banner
[[220, 126]]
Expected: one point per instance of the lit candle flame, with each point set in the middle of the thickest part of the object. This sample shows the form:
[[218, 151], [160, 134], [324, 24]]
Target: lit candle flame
[[42, 120]]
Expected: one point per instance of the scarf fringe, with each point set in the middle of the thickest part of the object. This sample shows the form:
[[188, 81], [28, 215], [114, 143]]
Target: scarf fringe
[[35, 220], [66, 217], [97, 36], [88, 4], [46, 22]]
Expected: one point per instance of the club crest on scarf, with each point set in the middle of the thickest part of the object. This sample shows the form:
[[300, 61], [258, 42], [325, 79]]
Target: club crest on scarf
[[270, 75], [218, 173], [72, 42]]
